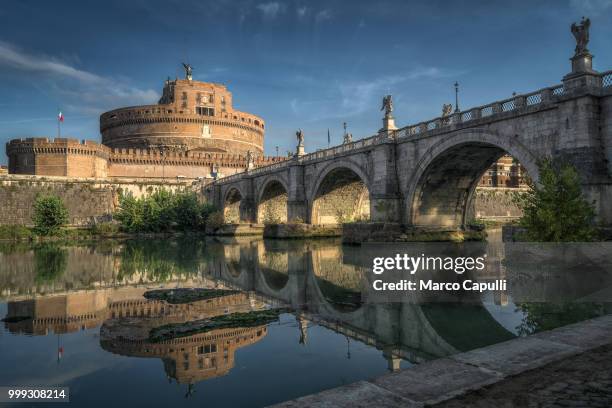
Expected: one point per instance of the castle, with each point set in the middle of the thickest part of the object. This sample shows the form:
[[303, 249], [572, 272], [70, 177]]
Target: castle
[[192, 132]]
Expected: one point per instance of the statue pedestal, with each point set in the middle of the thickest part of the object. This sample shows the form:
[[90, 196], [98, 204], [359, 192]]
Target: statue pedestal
[[300, 150], [388, 123], [389, 127], [583, 75], [582, 63]]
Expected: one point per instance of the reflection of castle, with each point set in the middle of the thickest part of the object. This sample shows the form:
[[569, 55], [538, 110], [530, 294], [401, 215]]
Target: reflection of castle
[[89, 309], [127, 317], [187, 359]]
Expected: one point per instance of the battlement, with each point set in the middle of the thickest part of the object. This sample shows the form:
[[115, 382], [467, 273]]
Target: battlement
[[41, 143], [189, 157]]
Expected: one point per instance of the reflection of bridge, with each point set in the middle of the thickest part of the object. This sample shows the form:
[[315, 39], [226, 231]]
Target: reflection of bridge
[[410, 331], [426, 174]]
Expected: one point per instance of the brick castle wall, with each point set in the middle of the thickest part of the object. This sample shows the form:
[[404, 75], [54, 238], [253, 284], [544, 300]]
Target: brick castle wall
[[190, 115], [73, 158]]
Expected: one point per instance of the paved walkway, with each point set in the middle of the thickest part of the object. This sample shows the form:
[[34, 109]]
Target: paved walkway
[[581, 381], [566, 367]]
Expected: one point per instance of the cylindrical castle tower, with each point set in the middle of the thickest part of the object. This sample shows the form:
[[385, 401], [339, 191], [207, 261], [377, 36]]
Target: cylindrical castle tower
[[190, 116]]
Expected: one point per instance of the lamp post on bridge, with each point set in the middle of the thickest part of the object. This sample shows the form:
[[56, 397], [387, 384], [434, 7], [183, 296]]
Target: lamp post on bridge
[[456, 96]]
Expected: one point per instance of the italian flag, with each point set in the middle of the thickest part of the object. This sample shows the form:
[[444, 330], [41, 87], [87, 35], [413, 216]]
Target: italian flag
[[60, 116]]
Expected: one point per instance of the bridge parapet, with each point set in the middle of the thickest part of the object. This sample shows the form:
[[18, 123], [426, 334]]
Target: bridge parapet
[[515, 104], [403, 169]]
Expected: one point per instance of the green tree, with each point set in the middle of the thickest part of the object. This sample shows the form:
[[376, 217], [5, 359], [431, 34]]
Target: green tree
[[50, 215], [189, 215], [555, 209], [130, 213], [162, 210]]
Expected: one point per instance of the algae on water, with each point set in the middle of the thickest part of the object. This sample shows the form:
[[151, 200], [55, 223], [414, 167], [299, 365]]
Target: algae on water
[[234, 320], [187, 295]]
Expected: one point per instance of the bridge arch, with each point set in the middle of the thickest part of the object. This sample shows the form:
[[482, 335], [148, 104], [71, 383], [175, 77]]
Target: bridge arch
[[340, 193], [440, 191], [272, 203], [232, 205]]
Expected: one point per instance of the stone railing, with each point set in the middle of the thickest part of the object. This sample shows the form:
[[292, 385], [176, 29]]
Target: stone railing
[[495, 108], [606, 79], [516, 102], [343, 148]]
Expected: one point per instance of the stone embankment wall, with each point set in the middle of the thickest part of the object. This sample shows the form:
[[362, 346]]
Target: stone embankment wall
[[497, 203], [88, 200]]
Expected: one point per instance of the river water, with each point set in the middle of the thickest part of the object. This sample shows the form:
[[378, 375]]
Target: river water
[[76, 316]]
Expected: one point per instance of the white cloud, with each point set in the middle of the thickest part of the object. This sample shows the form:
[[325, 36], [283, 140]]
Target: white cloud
[[11, 56], [271, 10], [301, 12], [591, 6], [359, 96], [323, 15], [84, 91]]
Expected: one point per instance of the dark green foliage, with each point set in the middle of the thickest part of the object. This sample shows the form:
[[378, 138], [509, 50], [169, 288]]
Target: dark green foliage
[[50, 262], [187, 295], [546, 316], [162, 211], [159, 260], [243, 320], [50, 215], [15, 232], [555, 209], [188, 214]]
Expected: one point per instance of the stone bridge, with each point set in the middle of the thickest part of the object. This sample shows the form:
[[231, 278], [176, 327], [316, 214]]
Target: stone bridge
[[426, 174]]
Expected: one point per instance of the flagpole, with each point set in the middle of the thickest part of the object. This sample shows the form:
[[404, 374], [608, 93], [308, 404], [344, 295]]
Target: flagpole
[[59, 133]]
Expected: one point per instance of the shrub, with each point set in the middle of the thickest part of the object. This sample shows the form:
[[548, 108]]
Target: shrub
[[162, 211], [188, 212], [50, 215], [104, 228], [130, 213], [555, 210], [215, 220], [15, 232]]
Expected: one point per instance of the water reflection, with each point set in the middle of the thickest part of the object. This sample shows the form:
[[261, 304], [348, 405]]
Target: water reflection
[[62, 290], [187, 359]]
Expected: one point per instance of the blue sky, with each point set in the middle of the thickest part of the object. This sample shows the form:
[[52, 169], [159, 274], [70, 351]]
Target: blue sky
[[298, 64]]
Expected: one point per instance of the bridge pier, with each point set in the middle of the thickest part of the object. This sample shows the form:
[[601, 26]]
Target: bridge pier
[[385, 209]]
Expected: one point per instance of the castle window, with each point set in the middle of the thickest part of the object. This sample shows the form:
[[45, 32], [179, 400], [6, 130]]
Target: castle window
[[205, 111], [211, 98], [184, 97]]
